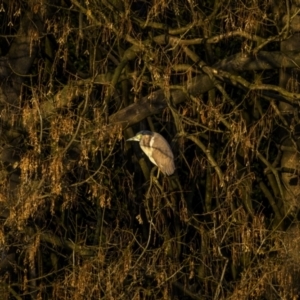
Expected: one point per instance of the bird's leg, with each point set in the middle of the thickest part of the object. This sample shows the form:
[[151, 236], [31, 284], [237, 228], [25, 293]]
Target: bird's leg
[[149, 189], [155, 179], [152, 179], [152, 172]]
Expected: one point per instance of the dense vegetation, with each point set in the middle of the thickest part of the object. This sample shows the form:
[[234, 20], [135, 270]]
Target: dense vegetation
[[83, 215]]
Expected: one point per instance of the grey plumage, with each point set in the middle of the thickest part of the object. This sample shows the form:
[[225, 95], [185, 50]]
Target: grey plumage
[[157, 149]]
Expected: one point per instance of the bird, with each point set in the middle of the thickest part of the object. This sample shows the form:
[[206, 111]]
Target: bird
[[155, 146]]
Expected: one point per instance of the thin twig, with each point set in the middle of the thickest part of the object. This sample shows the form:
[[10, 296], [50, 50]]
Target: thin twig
[[210, 158]]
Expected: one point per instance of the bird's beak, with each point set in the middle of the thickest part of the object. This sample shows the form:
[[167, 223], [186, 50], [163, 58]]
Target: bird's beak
[[135, 138]]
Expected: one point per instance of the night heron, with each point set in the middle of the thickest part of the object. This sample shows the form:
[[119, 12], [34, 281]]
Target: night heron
[[157, 149]]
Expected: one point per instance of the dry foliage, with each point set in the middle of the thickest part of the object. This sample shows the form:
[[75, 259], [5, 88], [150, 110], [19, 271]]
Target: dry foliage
[[82, 216]]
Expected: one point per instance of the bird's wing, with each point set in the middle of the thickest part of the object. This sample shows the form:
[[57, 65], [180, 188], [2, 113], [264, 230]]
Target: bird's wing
[[163, 158]]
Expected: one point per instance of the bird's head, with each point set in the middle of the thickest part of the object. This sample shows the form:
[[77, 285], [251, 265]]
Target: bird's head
[[139, 136]]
